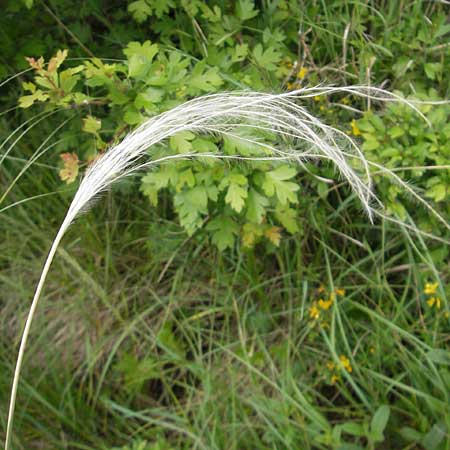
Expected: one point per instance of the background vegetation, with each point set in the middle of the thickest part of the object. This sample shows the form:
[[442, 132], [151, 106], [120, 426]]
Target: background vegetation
[[223, 305]]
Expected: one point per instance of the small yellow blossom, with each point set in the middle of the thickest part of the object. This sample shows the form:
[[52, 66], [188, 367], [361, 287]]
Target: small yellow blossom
[[345, 101], [290, 86], [355, 129], [325, 304], [430, 288], [346, 363], [317, 98], [434, 301], [302, 73], [372, 350], [314, 312], [321, 289], [340, 292], [334, 378], [331, 365], [322, 108]]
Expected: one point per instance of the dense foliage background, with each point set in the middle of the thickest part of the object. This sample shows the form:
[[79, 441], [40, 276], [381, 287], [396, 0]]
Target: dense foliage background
[[219, 305]]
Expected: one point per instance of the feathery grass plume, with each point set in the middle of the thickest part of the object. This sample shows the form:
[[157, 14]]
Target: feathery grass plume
[[305, 138]]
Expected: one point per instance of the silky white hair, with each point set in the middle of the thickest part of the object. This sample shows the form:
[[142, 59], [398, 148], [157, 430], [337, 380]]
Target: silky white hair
[[304, 138]]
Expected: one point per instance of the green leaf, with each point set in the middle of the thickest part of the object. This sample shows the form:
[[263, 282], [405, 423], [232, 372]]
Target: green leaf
[[396, 132], [136, 372], [191, 204], [68, 78], [288, 218], [167, 341], [117, 96], [364, 124], [27, 100], [30, 87], [353, 428], [438, 192], [432, 70], [185, 178], [162, 7], [256, 206], [378, 123], [153, 182], [224, 230], [370, 142], [203, 80], [132, 116], [435, 436], [322, 189], [201, 144], [181, 141], [273, 36], [236, 196], [149, 97], [267, 59], [245, 10], [397, 209], [237, 189], [380, 420], [410, 434], [140, 57], [349, 446], [439, 356], [140, 10], [242, 141], [275, 184], [240, 52], [91, 125]]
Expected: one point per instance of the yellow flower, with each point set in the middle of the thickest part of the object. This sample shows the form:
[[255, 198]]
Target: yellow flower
[[430, 288], [334, 378], [325, 304], [345, 362], [340, 292], [372, 350], [302, 73], [317, 98], [345, 101], [434, 301], [290, 86], [355, 129], [314, 312], [321, 289], [331, 365]]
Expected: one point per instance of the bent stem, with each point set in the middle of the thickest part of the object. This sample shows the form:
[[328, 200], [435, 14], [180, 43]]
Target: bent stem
[[26, 330]]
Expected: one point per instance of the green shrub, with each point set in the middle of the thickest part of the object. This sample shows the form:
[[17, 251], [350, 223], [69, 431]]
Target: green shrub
[[246, 201], [399, 139]]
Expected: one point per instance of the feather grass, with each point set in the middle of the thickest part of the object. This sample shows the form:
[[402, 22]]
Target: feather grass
[[305, 138]]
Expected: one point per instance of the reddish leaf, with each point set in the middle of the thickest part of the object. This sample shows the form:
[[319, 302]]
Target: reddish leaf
[[70, 170]]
